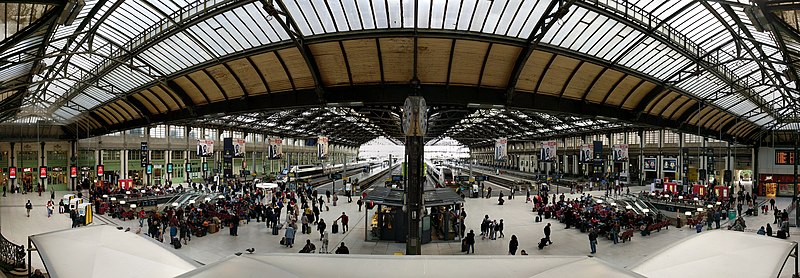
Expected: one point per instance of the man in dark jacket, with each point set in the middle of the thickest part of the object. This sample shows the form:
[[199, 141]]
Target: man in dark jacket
[[593, 240], [547, 233], [470, 240], [342, 249]]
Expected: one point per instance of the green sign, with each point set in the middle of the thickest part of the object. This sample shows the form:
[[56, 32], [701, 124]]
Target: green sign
[[205, 166], [149, 169], [188, 167], [169, 168]]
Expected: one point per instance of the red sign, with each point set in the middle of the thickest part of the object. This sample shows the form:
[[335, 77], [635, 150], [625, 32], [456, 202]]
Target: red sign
[[73, 171], [12, 173], [43, 172], [100, 170], [126, 184]]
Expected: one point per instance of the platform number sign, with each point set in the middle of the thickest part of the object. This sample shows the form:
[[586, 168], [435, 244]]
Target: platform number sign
[[143, 154]]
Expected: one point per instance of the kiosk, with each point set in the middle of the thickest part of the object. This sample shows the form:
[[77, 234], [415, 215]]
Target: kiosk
[[388, 220], [85, 213], [73, 204]]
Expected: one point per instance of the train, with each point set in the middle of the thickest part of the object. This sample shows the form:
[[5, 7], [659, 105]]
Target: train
[[441, 175], [316, 171]]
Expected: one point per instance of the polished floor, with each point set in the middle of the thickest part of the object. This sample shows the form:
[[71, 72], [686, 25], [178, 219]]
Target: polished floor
[[516, 214]]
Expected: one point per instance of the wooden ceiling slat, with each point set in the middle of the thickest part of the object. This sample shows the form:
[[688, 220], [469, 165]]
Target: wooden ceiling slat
[[191, 90], [556, 77], [622, 90], [134, 113], [686, 105], [226, 80], [249, 76], [499, 65], [155, 100], [272, 71], [468, 57], [533, 70], [668, 105], [362, 55], [637, 95], [434, 59], [330, 63], [147, 104], [207, 86], [396, 54], [581, 80], [655, 100], [604, 85], [297, 67], [169, 101]]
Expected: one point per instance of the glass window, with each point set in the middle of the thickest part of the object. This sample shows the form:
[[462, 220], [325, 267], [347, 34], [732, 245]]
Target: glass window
[[157, 155], [211, 133], [176, 131], [111, 155], [651, 137], [193, 132], [134, 155], [137, 132], [177, 155], [671, 137], [159, 131]]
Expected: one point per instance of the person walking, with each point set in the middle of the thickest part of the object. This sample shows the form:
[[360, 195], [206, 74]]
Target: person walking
[[512, 245], [772, 204], [344, 219], [52, 194], [470, 239], [360, 203], [29, 207], [499, 228], [593, 240], [547, 234], [489, 192], [321, 228], [289, 235], [50, 207]]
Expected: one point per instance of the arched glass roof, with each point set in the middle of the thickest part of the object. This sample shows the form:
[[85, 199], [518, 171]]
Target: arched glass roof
[[711, 51]]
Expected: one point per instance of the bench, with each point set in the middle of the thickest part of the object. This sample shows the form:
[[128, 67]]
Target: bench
[[626, 235]]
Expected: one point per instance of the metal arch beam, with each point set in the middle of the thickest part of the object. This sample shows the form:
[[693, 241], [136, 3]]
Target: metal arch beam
[[537, 34], [290, 26], [172, 86]]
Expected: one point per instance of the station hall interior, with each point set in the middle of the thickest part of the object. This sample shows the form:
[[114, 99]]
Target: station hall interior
[[429, 138]]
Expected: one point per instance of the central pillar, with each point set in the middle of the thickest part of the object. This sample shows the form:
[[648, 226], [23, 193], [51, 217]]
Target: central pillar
[[414, 126]]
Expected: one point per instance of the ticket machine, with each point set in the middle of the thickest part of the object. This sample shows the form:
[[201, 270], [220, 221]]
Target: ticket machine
[[73, 204], [85, 213]]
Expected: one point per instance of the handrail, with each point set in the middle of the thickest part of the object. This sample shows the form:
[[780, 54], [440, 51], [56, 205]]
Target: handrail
[[11, 255]]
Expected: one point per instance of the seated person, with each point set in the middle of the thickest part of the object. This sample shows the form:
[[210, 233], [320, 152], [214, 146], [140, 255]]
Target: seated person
[[342, 249]]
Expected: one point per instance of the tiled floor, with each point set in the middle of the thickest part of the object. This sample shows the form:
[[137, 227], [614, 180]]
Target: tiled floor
[[516, 213]]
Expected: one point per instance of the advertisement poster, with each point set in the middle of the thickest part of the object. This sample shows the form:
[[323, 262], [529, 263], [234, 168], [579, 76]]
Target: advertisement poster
[[501, 149], [670, 164], [43, 172], [100, 169], [238, 147], [620, 152], [12, 173], [548, 151], [650, 164], [322, 147], [772, 190], [205, 148], [73, 171], [586, 153], [275, 150]]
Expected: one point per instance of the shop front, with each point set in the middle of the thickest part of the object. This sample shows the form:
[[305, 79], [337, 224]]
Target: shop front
[[388, 220], [776, 185]]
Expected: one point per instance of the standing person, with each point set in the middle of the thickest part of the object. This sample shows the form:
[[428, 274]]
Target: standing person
[[304, 224], [512, 245], [52, 194], [289, 234], [528, 195], [593, 240], [499, 228], [184, 232], [344, 219], [360, 202], [470, 239], [50, 207], [489, 192], [769, 230], [321, 228], [772, 204], [547, 233], [235, 225], [29, 207], [493, 230]]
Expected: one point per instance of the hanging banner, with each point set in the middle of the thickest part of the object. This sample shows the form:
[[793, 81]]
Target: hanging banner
[[586, 154], [12, 173], [670, 164], [501, 149], [73, 171], [205, 148], [322, 147], [548, 151], [238, 147], [43, 172], [650, 164], [275, 148], [620, 152]]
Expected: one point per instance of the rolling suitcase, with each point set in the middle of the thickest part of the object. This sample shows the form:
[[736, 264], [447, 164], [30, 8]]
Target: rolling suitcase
[[782, 234], [335, 228], [275, 230], [176, 243]]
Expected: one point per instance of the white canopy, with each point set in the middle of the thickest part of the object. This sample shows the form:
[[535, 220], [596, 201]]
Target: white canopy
[[104, 251], [297, 265], [720, 253]]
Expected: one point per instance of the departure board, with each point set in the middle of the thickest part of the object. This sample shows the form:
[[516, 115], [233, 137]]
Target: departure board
[[784, 157]]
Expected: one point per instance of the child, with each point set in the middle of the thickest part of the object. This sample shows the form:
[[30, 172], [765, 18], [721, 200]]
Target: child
[[699, 227]]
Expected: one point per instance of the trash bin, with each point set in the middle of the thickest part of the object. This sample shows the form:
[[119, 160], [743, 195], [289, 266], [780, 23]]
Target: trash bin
[[731, 214]]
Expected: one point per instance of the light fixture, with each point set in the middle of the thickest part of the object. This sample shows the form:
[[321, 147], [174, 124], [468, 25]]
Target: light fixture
[[208, 199], [652, 194], [175, 204], [646, 210], [113, 198], [719, 203], [688, 213], [680, 197], [141, 190], [128, 192], [599, 201], [191, 201], [221, 197], [133, 206], [105, 195], [158, 190], [710, 206], [696, 199], [629, 207], [700, 209], [122, 202]]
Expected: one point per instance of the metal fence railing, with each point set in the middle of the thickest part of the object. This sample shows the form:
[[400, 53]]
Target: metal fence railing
[[11, 255]]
